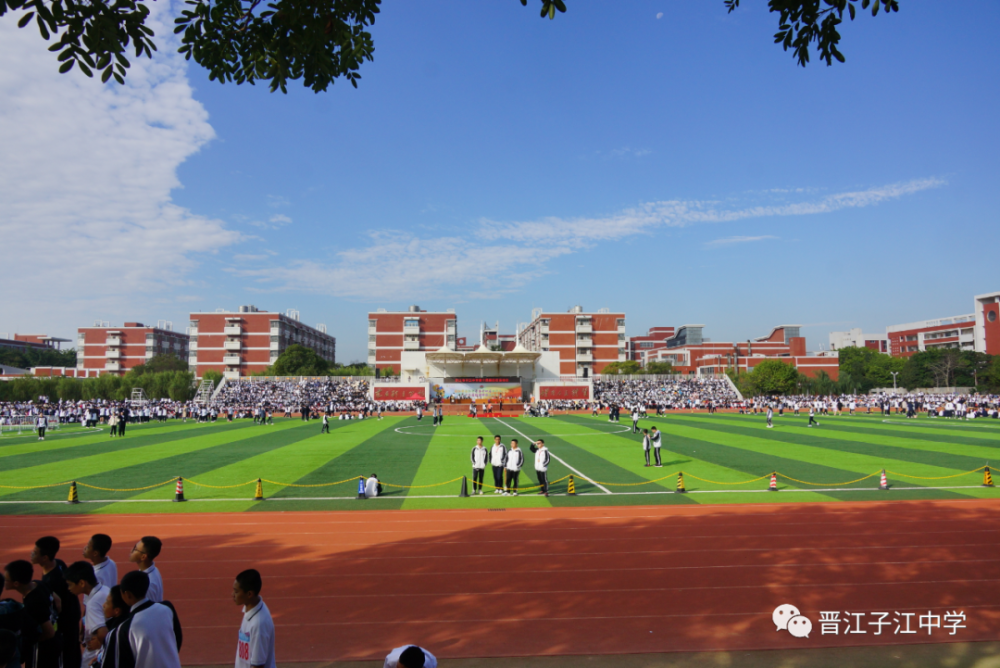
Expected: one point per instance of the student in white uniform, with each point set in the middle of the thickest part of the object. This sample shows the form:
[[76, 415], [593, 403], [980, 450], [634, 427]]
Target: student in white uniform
[[80, 579], [255, 643], [96, 552], [410, 656], [515, 460], [373, 487], [148, 635], [143, 554]]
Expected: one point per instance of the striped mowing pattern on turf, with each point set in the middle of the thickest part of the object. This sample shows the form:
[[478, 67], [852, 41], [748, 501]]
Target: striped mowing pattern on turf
[[717, 453]]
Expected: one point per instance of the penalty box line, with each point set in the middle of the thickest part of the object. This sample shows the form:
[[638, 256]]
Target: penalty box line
[[557, 458]]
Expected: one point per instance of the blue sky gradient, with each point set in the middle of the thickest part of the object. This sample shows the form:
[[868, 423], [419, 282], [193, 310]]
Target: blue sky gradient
[[682, 169]]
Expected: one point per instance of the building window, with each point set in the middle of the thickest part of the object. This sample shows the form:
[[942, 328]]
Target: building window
[[991, 316], [621, 337], [645, 344], [620, 322], [373, 323], [411, 322]]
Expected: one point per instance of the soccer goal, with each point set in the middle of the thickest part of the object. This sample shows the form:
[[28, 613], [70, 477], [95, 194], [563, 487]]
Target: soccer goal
[[19, 424]]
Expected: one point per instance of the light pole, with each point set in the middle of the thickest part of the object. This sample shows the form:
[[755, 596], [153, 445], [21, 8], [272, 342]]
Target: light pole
[[894, 374]]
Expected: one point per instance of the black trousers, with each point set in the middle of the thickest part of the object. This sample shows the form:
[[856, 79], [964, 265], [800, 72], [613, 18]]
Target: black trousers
[[635, 426], [543, 480], [41, 432], [498, 477], [440, 419], [477, 479], [121, 428], [656, 451], [812, 420], [114, 430], [512, 477], [325, 429], [646, 452]]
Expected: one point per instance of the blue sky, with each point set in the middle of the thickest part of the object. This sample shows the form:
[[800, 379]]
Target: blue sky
[[682, 169]]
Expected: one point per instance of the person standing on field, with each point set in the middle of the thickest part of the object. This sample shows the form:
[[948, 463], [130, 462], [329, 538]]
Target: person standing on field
[[498, 459], [542, 460], [646, 444], [515, 460], [654, 436], [479, 456]]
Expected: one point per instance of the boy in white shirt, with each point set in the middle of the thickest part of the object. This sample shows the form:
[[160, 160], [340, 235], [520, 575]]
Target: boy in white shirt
[[96, 552], [80, 579], [143, 554], [255, 646]]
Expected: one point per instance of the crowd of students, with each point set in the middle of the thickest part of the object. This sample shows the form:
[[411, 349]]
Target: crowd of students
[[81, 614], [660, 395]]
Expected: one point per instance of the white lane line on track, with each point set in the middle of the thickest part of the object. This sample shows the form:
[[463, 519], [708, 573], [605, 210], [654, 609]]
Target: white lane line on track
[[557, 458]]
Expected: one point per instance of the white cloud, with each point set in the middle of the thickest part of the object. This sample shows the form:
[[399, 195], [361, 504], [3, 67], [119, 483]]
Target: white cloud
[[501, 257], [273, 223], [86, 172], [730, 241], [659, 15]]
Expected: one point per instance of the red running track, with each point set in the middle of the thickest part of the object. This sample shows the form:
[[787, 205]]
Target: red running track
[[474, 583]]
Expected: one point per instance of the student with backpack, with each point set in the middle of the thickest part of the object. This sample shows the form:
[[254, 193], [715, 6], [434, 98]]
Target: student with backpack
[[150, 637]]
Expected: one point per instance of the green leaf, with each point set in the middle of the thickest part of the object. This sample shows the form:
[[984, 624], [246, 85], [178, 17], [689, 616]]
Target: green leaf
[[25, 20], [66, 67], [86, 70], [107, 75]]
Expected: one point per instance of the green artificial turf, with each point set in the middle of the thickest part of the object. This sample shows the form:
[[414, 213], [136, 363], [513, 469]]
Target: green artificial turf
[[725, 458]]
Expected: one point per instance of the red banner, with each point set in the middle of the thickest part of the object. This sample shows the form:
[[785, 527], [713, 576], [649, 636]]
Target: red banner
[[564, 392], [399, 393]]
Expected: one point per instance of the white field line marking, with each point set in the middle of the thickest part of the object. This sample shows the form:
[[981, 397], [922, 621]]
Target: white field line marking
[[557, 458], [398, 430]]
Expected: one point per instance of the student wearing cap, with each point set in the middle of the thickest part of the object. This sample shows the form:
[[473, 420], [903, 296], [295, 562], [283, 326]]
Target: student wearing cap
[[410, 656], [255, 643]]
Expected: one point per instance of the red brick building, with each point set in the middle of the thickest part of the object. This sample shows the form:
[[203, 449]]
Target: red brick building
[[988, 323], [691, 353], [586, 342], [392, 332], [655, 339], [115, 350], [239, 343]]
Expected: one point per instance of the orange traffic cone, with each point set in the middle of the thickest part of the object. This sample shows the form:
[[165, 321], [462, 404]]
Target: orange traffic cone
[[883, 483], [179, 492], [773, 487]]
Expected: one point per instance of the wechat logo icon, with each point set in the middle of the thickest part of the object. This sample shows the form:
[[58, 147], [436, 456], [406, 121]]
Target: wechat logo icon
[[788, 618]]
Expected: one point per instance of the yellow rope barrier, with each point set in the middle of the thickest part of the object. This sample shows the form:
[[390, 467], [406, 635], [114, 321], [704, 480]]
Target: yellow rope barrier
[[133, 489], [201, 484], [57, 484], [828, 484], [943, 477], [487, 485], [323, 484]]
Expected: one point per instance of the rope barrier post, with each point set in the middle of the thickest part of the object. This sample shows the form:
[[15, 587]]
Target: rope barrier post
[[361, 488], [987, 477], [73, 497], [680, 483], [883, 483], [259, 494], [179, 492], [773, 487], [571, 488], [464, 492]]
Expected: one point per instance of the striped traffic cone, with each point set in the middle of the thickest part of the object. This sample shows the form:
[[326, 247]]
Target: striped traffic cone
[[361, 488], [259, 494], [883, 484], [773, 487], [179, 492], [571, 489], [987, 477], [680, 483], [73, 497]]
